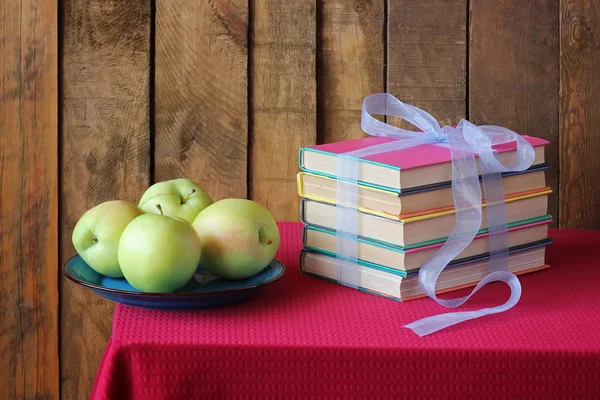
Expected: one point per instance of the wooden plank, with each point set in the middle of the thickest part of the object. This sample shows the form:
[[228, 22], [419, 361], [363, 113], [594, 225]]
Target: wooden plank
[[513, 72], [579, 114], [427, 56], [202, 94], [28, 200], [283, 100], [105, 153], [349, 65]]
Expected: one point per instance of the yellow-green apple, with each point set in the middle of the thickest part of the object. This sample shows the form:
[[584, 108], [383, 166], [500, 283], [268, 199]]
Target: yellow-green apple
[[159, 253], [239, 238], [181, 198], [97, 233]]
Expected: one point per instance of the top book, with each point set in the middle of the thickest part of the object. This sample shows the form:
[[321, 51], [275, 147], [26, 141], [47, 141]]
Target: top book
[[402, 170]]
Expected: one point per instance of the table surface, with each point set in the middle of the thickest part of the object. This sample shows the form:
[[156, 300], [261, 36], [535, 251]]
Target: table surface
[[303, 337], [559, 311]]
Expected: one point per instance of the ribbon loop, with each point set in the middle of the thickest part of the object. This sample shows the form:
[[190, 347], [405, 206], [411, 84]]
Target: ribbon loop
[[483, 138], [386, 104], [465, 141]]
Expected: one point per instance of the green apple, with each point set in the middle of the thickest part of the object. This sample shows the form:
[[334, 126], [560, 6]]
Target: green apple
[[97, 233], [158, 253], [181, 198], [239, 238]]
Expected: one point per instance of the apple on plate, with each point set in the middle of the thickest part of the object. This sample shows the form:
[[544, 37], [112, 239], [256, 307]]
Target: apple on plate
[[159, 253], [97, 233], [239, 238], [180, 198]]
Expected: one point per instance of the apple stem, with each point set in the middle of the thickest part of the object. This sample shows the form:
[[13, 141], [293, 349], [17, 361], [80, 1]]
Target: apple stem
[[94, 239], [160, 209], [188, 196], [263, 240]]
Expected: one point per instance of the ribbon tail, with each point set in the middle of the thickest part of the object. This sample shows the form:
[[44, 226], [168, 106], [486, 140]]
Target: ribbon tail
[[468, 210], [467, 198], [429, 325], [498, 263]]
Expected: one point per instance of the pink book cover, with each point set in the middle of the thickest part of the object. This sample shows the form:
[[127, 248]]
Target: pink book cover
[[414, 157]]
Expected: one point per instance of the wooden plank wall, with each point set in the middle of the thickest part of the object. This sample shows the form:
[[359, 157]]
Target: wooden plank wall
[[28, 200], [225, 92], [105, 148], [579, 114], [282, 99], [201, 97]]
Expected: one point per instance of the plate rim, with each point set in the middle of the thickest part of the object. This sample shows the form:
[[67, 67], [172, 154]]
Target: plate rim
[[167, 294]]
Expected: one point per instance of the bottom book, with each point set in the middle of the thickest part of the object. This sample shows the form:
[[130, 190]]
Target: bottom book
[[398, 285]]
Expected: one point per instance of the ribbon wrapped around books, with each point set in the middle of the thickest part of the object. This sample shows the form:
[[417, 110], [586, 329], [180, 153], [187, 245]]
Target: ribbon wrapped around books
[[464, 141]]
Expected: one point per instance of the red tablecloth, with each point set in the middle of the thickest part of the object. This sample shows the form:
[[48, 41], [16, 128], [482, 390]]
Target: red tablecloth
[[306, 338]]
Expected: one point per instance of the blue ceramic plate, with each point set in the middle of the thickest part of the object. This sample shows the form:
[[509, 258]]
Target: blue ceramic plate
[[202, 291]]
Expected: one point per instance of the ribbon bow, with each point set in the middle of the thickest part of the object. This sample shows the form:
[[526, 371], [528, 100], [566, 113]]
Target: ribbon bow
[[464, 141]]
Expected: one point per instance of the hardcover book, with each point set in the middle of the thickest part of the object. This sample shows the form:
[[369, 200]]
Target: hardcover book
[[401, 170], [402, 286]]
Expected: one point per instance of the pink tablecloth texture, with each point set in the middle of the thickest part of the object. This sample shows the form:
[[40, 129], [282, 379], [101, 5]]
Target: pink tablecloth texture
[[302, 337]]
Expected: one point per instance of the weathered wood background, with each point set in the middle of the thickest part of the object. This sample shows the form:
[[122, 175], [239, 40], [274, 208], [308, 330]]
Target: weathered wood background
[[120, 94]]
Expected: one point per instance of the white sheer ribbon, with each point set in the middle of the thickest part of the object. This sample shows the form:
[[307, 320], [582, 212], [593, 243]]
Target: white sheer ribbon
[[464, 142]]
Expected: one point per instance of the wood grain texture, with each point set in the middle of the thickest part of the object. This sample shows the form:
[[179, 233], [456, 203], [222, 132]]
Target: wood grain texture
[[28, 200], [283, 100], [513, 72], [427, 45], [579, 114], [105, 153], [349, 64], [202, 94]]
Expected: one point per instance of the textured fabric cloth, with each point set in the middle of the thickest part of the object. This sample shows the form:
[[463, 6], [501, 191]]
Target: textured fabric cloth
[[303, 337]]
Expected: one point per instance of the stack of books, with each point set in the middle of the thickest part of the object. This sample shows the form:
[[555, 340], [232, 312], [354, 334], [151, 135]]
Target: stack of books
[[406, 212]]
